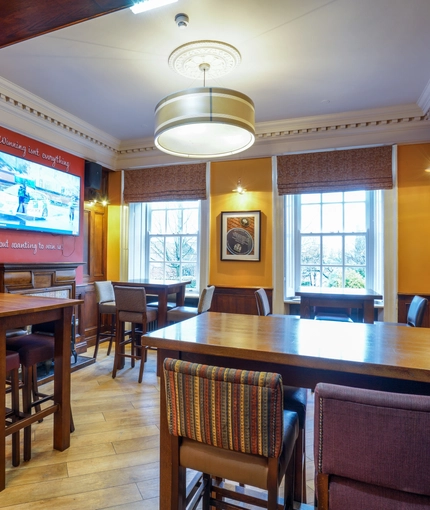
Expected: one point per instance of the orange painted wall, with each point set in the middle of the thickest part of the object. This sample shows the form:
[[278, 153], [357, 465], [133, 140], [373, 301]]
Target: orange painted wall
[[113, 262], [13, 244], [256, 177], [414, 219]]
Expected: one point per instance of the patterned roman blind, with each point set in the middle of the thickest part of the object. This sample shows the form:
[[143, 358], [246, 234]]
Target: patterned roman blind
[[176, 182], [340, 170]]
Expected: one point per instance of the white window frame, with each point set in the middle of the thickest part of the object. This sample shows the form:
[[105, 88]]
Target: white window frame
[[139, 245], [375, 248]]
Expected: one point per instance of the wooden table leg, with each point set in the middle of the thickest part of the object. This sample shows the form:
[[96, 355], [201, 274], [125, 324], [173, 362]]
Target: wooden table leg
[[169, 447], [368, 311], [62, 384], [305, 308], [180, 296], [162, 308]]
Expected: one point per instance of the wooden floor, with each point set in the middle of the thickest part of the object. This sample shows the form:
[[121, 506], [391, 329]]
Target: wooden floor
[[113, 458]]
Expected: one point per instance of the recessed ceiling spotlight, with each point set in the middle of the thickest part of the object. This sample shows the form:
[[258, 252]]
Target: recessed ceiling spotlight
[[182, 20]]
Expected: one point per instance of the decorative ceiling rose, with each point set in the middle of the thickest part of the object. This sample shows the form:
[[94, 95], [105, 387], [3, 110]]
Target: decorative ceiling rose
[[221, 57]]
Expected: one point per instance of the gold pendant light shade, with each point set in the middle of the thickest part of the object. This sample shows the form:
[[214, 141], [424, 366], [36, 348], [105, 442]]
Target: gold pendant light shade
[[205, 123]]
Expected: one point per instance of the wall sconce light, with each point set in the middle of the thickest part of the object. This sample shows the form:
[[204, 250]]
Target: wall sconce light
[[95, 198], [239, 188]]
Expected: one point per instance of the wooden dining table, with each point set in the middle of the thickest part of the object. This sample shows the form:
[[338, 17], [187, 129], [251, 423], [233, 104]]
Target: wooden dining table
[[333, 297], [162, 289], [305, 352], [16, 311]]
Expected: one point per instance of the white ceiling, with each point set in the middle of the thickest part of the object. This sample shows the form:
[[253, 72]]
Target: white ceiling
[[302, 61]]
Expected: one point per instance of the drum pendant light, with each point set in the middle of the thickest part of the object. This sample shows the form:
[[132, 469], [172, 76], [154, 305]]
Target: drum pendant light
[[204, 122]]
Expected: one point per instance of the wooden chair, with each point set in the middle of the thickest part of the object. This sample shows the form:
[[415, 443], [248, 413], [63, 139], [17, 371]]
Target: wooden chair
[[295, 399], [181, 313], [106, 305], [131, 307], [370, 448], [231, 426]]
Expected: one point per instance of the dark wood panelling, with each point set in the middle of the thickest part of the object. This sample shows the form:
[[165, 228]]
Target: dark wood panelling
[[21, 19], [237, 300], [95, 242], [52, 279], [88, 318], [404, 301]]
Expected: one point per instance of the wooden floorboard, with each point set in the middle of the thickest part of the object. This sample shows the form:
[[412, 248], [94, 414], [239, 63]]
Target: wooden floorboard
[[112, 461]]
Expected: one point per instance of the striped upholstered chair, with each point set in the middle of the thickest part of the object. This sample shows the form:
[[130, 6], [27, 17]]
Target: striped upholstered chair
[[232, 427]]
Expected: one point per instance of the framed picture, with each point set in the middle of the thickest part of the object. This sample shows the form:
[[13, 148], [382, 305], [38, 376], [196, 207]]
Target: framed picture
[[240, 235]]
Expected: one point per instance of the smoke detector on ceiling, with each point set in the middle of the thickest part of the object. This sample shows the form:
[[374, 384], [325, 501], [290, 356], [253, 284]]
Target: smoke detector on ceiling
[[182, 20]]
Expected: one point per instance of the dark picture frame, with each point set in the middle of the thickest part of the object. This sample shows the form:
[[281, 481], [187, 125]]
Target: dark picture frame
[[241, 235]]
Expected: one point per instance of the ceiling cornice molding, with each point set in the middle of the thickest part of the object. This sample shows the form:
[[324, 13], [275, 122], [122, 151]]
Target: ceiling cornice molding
[[70, 132], [424, 100], [32, 116]]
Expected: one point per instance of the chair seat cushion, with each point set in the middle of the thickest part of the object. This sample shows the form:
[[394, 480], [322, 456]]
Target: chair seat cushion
[[241, 467], [32, 349], [353, 495], [136, 317], [338, 317], [180, 313], [108, 307]]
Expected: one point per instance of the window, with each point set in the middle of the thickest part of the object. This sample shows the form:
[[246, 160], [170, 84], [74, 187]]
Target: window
[[173, 229], [335, 240], [165, 240]]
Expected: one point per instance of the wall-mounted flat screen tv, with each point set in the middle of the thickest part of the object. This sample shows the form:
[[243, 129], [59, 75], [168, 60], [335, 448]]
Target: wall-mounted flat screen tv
[[38, 198]]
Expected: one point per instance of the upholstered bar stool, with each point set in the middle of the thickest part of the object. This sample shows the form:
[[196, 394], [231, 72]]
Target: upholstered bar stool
[[131, 307], [105, 296], [210, 408], [32, 350]]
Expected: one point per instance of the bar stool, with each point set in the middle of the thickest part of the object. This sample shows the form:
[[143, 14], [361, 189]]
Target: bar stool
[[13, 413], [131, 307], [32, 349], [105, 296]]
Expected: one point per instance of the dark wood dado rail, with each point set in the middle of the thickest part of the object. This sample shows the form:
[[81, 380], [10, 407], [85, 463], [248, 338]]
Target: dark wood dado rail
[[53, 279], [237, 300], [403, 302]]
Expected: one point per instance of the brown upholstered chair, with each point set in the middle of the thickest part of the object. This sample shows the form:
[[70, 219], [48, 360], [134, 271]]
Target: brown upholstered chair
[[105, 297], [371, 449], [181, 313], [131, 307], [295, 399], [231, 426]]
